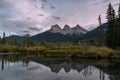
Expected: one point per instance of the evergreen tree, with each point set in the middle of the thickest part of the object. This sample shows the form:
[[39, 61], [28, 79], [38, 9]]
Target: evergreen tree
[[100, 31], [0, 40], [118, 28], [119, 12], [3, 39], [110, 13], [43, 42], [15, 42], [27, 41], [111, 32]]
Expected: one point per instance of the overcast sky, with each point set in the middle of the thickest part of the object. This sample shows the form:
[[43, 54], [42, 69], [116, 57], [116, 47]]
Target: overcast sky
[[35, 16]]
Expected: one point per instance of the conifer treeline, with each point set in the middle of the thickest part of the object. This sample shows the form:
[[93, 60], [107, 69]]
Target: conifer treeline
[[113, 31]]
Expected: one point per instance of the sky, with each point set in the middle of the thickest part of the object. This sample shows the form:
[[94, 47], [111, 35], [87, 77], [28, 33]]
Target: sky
[[20, 17]]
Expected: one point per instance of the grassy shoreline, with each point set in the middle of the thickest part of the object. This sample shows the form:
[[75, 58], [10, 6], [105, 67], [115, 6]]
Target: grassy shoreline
[[66, 51]]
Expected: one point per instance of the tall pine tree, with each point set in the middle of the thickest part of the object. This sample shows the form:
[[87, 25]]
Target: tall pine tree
[[119, 12], [111, 36], [100, 31], [3, 39], [118, 28]]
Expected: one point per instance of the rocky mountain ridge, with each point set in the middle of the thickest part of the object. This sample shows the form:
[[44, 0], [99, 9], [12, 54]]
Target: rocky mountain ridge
[[67, 30]]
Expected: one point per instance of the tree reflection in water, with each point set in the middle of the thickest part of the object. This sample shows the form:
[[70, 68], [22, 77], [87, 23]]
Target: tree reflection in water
[[86, 67]]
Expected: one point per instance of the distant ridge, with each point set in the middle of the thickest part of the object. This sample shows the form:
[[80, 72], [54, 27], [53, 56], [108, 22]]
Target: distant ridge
[[15, 37], [95, 33], [56, 34], [78, 30]]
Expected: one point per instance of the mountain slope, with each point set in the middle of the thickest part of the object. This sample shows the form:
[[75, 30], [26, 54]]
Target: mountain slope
[[79, 30], [48, 36], [15, 37], [95, 33]]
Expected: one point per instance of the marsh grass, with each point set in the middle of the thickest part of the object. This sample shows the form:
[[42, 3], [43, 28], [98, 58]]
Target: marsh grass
[[91, 52], [64, 49], [100, 51]]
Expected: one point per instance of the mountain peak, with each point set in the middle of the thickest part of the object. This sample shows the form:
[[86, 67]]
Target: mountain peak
[[55, 26], [55, 29], [77, 26], [66, 27], [79, 30]]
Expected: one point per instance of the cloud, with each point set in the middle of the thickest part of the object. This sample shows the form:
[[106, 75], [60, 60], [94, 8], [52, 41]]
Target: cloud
[[59, 19], [52, 7], [13, 33], [116, 4], [35, 28], [56, 17], [15, 18], [4, 4], [41, 15], [36, 7], [106, 1], [29, 18], [45, 1], [43, 6], [99, 2], [25, 32]]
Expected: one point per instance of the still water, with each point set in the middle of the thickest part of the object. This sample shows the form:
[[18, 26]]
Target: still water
[[35, 67]]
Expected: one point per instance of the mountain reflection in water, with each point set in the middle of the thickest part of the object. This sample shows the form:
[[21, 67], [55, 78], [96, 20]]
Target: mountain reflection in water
[[34, 67]]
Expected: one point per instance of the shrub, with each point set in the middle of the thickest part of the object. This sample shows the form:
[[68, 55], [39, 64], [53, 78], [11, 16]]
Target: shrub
[[100, 51]]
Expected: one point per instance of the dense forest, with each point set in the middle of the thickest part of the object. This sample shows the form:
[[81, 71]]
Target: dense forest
[[113, 33]]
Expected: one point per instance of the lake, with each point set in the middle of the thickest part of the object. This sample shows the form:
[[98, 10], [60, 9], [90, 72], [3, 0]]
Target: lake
[[36, 67]]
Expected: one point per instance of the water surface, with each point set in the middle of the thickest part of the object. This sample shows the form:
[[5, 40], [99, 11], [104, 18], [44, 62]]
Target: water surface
[[34, 67]]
